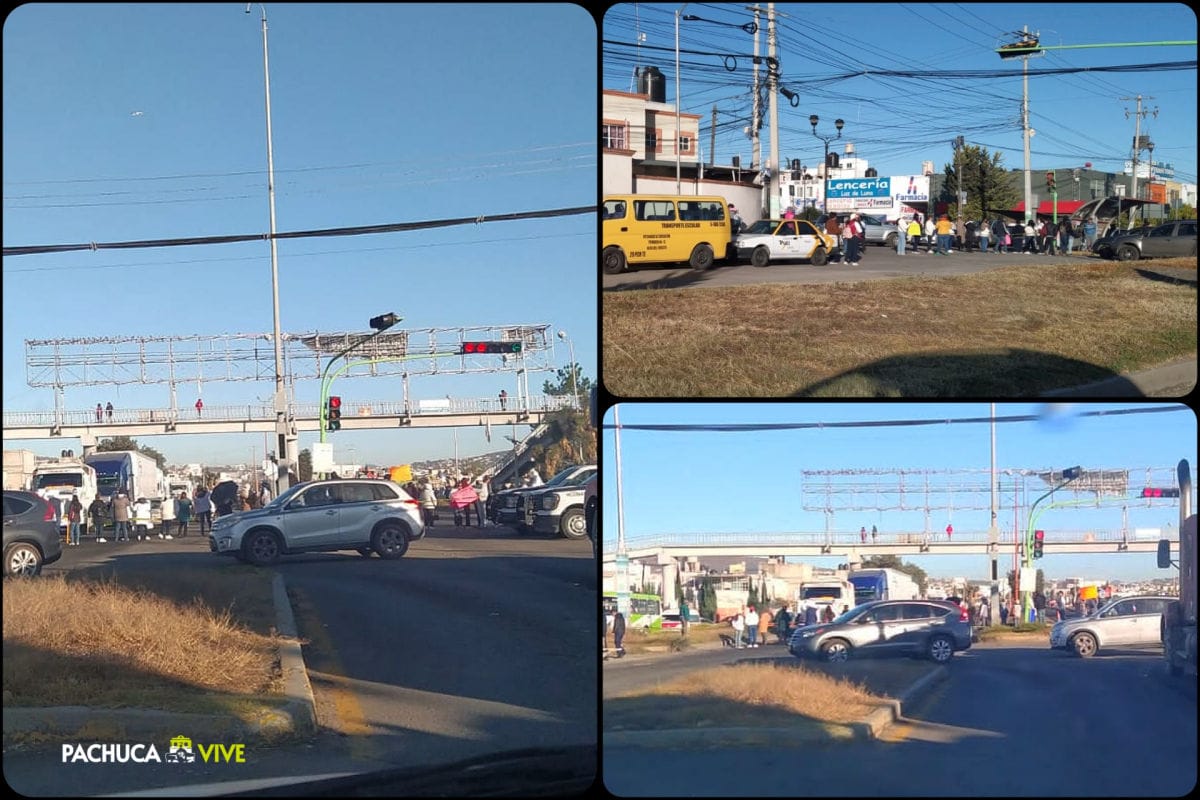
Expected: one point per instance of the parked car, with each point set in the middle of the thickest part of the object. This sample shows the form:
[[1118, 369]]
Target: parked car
[[369, 516], [1169, 240], [31, 534], [933, 628], [507, 500], [556, 508], [1121, 622], [876, 230], [779, 239]]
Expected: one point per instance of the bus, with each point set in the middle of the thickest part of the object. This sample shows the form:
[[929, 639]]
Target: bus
[[645, 610], [664, 229]]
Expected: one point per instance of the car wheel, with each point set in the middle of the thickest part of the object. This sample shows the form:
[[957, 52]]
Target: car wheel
[[573, 524], [819, 257], [1127, 252], [390, 540], [261, 548], [1084, 645], [22, 559], [890, 242], [835, 651], [702, 258], [941, 649], [613, 261], [760, 257], [365, 552]]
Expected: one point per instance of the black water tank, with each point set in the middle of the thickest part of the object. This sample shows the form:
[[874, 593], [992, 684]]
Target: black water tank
[[872, 172], [832, 160], [652, 82]]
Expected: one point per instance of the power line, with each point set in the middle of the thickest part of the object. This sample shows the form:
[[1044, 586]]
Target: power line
[[392, 227], [893, 423]]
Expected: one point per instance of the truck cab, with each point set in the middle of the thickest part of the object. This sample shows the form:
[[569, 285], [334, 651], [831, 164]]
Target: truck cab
[[63, 479]]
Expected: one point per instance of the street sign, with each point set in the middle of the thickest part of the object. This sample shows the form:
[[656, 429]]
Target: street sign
[[322, 457]]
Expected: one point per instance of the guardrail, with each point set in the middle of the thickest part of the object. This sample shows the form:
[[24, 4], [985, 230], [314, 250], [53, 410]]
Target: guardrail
[[261, 411]]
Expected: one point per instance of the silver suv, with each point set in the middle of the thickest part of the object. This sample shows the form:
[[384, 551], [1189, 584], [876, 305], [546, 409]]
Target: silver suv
[[936, 629], [1121, 622], [369, 516]]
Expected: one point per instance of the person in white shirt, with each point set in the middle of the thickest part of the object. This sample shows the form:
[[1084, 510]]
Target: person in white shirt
[[739, 625], [752, 626], [533, 477], [141, 518], [481, 489]]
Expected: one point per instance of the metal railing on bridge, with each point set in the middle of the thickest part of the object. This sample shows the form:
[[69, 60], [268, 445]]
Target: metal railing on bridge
[[850, 538], [264, 411]]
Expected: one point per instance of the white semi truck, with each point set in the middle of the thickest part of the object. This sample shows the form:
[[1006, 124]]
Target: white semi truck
[[63, 478], [883, 584], [836, 593], [128, 470]]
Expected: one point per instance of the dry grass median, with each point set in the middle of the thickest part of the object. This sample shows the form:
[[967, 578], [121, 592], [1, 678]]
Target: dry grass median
[[1009, 332], [764, 695], [152, 641]]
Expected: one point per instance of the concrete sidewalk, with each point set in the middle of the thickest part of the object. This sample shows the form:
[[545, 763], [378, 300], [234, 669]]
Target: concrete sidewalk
[[1176, 379]]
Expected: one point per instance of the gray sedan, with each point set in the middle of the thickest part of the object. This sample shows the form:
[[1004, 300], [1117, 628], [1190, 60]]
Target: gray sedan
[[1169, 240], [1124, 622]]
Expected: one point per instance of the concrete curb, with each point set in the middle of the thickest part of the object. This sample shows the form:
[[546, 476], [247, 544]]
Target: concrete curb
[[871, 727], [1152, 382], [295, 716]]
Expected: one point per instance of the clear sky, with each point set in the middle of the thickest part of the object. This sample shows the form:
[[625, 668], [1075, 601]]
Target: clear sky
[[127, 122], [896, 123], [715, 482]]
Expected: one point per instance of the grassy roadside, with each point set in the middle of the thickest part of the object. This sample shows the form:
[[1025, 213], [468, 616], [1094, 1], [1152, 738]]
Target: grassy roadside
[[1015, 331], [769, 694], [198, 641]]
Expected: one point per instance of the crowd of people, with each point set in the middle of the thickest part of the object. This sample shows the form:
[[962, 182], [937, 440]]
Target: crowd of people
[[1041, 237]]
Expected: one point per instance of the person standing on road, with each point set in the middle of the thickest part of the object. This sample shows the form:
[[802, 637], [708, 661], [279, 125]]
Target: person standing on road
[[789, 213], [985, 233], [914, 235], [481, 496], [783, 621], [183, 513], [944, 228], [1039, 605], [1030, 243], [1003, 613], [854, 232], [735, 220], [833, 227], [752, 626], [97, 510], [619, 633], [738, 625], [204, 509], [1089, 233], [74, 516], [120, 505], [901, 235], [764, 624], [810, 613], [1000, 231], [428, 504], [141, 518], [167, 509], [462, 500]]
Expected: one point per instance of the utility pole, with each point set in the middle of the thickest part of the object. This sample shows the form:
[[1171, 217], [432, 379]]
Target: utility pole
[[755, 121], [712, 140], [1137, 146], [773, 91], [1025, 130], [994, 534]]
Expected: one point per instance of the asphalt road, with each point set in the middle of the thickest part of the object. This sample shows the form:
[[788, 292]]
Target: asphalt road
[[1011, 720], [475, 642], [877, 263]]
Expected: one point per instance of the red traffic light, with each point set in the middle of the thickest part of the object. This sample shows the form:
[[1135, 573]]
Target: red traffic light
[[335, 402], [1039, 535], [490, 347], [1155, 492]]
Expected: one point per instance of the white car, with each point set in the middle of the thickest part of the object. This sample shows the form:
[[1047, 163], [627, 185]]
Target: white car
[[777, 239]]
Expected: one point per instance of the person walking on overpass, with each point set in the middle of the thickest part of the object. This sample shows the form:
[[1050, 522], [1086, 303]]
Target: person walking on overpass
[[99, 413], [862, 534], [109, 409], [199, 407], [874, 534]]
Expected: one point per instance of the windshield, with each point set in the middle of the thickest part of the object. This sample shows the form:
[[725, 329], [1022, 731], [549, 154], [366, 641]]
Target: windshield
[[762, 226], [44, 479], [819, 592], [581, 478]]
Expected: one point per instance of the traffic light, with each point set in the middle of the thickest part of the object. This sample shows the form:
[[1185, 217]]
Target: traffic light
[[1050, 181], [489, 347], [1039, 540], [1149, 492], [333, 414]]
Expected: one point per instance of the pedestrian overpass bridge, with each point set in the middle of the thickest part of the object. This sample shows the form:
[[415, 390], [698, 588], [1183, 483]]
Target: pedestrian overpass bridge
[[850, 546], [260, 417]]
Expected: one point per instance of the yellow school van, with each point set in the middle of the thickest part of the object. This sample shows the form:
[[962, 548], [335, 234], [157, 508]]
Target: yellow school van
[[664, 229]]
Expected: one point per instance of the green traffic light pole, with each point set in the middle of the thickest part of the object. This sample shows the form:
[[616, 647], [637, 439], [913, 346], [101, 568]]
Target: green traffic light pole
[[381, 324], [1027, 558]]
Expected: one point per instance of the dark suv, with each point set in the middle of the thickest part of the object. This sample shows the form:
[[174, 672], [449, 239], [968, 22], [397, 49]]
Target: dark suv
[[936, 629], [31, 534]]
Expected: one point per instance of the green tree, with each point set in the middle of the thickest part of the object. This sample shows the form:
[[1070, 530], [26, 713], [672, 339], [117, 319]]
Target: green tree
[[562, 386], [983, 178], [708, 599], [304, 465], [121, 443]]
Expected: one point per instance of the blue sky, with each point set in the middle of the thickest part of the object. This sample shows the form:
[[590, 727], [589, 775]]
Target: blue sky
[[698, 482], [380, 113], [897, 123]]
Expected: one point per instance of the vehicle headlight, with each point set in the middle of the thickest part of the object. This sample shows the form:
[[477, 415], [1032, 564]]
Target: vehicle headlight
[[807, 634], [550, 501]]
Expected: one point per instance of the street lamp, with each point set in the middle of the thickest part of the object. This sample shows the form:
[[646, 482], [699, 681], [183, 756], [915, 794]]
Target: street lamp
[[813, 120], [281, 426], [1068, 475]]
